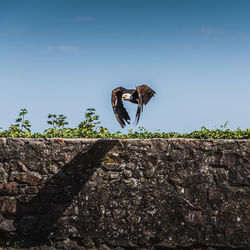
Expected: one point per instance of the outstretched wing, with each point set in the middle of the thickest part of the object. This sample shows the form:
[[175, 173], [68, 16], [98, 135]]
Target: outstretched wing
[[120, 112], [145, 93]]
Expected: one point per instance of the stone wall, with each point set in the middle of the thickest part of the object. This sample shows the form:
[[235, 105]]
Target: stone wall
[[124, 194]]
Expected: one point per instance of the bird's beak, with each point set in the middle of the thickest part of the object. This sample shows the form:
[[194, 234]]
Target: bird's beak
[[123, 97]]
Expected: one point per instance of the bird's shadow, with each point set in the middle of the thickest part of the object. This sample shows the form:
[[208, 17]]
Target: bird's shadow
[[36, 218]]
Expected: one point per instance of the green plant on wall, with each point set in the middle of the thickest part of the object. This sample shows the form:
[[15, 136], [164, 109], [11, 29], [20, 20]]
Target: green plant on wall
[[58, 123], [16, 245], [22, 126], [91, 120], [90, 128]]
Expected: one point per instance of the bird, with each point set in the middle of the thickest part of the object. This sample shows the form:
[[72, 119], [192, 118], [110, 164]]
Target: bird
[[140, 96]]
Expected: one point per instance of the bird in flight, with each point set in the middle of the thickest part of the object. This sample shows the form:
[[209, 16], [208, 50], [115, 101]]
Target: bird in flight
[[140, 96]]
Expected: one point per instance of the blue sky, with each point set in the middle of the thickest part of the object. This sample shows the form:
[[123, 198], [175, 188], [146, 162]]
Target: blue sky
[[63, 57]]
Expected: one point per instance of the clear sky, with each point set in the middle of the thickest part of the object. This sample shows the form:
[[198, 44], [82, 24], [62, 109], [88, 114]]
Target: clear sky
[[64, 56]]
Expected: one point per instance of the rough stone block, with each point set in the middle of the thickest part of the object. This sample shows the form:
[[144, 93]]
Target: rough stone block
[[125, 194]]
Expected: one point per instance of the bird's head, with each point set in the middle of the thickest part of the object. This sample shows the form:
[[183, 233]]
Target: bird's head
[[127, 97]]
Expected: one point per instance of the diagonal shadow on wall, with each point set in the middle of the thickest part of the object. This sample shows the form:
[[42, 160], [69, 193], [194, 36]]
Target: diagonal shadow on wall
[[37, 218]]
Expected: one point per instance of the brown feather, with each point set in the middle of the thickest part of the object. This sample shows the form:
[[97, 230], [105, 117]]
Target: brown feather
[[120, 112], [145, 93]]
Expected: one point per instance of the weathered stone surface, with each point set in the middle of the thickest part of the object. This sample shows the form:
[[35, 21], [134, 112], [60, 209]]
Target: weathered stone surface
[[10, 188], [8, 207], [7, 225], [120, 194]]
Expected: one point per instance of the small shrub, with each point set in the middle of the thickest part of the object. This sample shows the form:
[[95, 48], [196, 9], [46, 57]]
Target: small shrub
[[90, 128]]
